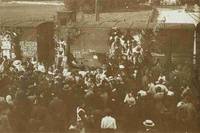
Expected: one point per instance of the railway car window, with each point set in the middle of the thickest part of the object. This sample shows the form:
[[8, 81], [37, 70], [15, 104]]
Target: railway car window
[[63, 21]]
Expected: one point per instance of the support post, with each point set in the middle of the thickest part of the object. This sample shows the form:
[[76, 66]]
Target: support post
[[97, 9], [195, 48]]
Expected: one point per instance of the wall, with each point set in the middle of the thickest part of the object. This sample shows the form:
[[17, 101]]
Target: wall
[[179, 42], [92, 39], [90, 42], [87, 42]]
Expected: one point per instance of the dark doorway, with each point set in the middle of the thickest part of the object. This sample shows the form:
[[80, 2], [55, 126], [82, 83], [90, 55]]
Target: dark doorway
[[198, 41], [198, 51], [45, 43]]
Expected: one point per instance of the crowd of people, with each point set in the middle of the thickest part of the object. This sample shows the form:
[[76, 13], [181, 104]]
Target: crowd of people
[[131, 92]]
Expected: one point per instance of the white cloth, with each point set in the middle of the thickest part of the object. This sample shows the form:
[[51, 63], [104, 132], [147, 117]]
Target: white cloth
[[78, 111], [136, 51], [13, 55], [82, 73], [129, 100], [62, 43], [162, 78], [170, 93], [153, 89], [66, 73], [6, 45], [1, 68], [64, 61], [137, 38], [41, 68], [9, 99], [180, 104], [20, 68], [170, 2], [6, 53], [108, 122], [142, 93]]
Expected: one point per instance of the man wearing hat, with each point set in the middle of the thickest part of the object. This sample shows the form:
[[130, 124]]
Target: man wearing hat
[[148, 126]]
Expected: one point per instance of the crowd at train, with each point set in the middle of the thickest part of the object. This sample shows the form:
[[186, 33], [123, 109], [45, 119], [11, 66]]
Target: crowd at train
[[130, 92]]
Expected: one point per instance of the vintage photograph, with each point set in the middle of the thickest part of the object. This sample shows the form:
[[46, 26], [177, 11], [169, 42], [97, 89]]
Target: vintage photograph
[[99, 66]]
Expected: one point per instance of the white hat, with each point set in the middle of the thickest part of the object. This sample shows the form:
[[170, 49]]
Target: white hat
[[17, 63], [68, 75], [72, 127], [9, 99], [50, 73], [180, 104], [95, 57], [41, 68], [14, 34], [142, 93], [121, 66], [170, 93], [57, 77], [82, 73], [118, 78], [110, 78], [148, 123]]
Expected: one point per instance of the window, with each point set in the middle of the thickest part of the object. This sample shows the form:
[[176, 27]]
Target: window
[[63, 21]]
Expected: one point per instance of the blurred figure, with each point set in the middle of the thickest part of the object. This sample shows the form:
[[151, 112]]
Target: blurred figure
[[108, 123]]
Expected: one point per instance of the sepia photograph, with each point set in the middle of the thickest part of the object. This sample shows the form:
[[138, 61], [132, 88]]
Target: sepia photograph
[[99, 66]]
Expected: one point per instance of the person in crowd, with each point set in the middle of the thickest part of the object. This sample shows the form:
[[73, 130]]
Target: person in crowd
[[130, 99], [108, 123], [81, 118], [148, 126]]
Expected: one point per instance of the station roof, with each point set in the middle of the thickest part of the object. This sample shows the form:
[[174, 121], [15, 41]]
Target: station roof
[[177, 19]]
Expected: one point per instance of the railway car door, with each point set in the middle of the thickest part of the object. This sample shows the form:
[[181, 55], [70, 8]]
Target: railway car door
[[45, 43]]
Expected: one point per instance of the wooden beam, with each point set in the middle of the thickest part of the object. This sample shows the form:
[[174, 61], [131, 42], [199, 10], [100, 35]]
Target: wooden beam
[[97, 9]]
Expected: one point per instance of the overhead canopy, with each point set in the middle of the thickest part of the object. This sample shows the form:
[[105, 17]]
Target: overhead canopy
[[177, 19]]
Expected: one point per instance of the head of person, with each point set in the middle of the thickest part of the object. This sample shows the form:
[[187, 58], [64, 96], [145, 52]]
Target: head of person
[[108, 112], [148, 124]]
